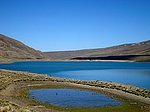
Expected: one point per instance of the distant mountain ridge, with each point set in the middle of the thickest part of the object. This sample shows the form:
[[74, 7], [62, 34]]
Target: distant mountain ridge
[[134, 52], [11, 49]]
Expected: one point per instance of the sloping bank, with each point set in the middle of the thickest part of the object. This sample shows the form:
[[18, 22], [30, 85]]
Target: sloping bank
[[8, 78]]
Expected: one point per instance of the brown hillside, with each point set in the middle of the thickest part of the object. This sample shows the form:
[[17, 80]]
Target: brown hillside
[[140, 50], [15, 50]]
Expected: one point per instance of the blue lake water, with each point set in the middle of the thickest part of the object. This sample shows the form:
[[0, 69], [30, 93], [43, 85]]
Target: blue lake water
[[133, 73], [72, 98]]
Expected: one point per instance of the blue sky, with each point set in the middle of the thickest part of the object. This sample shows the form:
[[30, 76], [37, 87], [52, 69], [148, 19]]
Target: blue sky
[[52, 25]]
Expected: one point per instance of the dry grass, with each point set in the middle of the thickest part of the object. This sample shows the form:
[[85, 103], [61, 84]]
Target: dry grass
[[6, 106]]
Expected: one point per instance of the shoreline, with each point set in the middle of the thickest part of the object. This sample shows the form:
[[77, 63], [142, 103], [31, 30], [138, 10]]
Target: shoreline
[[110, 91], [92, 83], [121, 61], [18, 79]]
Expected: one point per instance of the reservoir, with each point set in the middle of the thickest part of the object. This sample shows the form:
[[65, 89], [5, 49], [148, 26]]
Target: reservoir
[[133, 73]]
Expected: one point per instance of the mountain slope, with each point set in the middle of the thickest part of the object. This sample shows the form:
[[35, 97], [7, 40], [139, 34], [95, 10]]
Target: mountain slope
[[135, 51], [11, 49]]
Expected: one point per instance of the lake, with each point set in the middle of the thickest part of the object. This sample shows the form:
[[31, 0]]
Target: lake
[[133, 73], [72, 98]]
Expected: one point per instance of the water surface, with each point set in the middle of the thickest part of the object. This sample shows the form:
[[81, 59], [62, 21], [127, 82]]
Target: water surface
[[72, 98], [134, 77], [133, 73]]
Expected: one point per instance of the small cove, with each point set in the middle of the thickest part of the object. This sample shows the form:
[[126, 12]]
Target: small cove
[[72, 98]]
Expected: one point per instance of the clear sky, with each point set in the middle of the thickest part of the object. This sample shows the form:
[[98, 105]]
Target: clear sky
[[50, 25]]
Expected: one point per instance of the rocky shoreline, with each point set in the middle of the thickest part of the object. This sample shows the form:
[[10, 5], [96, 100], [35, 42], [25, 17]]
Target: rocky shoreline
[[8, 78], [102, 84]]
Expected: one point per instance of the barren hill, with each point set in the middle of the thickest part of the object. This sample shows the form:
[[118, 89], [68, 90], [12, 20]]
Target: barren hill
[[11, 49], [133, 52]]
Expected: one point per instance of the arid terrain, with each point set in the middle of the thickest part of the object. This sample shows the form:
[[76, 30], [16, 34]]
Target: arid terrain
[[13, 50], [127, 52], [14, 96]]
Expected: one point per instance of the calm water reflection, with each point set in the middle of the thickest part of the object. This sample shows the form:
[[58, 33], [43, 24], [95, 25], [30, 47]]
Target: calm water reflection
[[72, 98]]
